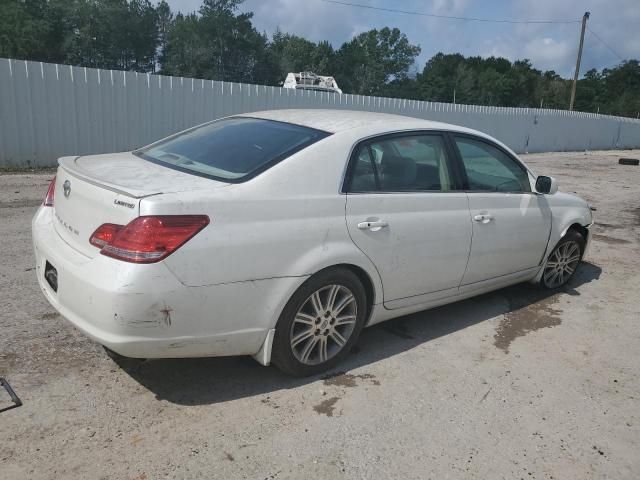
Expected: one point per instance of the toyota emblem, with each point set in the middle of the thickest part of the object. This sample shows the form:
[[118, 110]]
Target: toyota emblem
[[66, 187]]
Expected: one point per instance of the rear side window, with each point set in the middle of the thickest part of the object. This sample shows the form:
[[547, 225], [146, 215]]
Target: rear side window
[[405, 163], [233, 149], [489, 169]]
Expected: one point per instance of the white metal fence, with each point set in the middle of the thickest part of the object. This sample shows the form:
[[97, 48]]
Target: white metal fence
[[48, 111]]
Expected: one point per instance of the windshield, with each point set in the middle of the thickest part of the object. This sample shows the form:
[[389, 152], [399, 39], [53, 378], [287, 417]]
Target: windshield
[[233, 149]]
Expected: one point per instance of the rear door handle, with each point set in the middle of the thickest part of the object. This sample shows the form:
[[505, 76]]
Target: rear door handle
[[483, 218], [373, 226]]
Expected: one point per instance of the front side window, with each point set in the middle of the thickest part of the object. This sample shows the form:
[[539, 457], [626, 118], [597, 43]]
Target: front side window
[[232, 149], [401, 164], [490, 169]]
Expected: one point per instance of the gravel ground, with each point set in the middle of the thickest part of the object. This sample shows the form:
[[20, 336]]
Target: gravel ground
[[512, 384]]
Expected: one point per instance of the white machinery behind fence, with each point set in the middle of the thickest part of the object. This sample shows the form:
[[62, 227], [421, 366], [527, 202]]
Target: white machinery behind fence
[[311, 81]]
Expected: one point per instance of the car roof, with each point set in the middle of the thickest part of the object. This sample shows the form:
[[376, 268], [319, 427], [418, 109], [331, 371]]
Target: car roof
[[363, 124], [334, 121]]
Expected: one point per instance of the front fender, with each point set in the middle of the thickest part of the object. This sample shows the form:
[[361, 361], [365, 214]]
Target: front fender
[[566, 211]]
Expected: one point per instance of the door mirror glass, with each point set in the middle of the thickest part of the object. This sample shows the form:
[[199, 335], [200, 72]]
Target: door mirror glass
[[546, 185]]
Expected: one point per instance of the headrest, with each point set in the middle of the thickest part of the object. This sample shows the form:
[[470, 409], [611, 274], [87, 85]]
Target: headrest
[[398, 172]]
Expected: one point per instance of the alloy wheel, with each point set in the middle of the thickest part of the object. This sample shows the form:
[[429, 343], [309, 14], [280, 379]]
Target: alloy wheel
[[323, 324], [562, 263]]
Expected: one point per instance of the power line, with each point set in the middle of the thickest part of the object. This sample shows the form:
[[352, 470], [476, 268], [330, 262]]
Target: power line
[[605, 44], [448, 17]]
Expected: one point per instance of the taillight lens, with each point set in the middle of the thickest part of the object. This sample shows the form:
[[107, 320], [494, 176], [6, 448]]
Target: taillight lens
[[105, 234], [147, 239], [48, 198]]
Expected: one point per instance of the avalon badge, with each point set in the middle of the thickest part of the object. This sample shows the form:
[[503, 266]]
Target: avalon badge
[[66, 187]]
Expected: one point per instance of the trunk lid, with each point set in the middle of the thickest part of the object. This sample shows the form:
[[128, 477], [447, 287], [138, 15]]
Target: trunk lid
[[108, 189], [134, 176]]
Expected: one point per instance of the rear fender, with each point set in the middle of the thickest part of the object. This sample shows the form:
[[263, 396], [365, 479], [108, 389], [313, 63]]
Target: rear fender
[[329, 254]]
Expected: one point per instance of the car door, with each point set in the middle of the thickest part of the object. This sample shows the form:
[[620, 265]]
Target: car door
[[404, 210], [511, 224]]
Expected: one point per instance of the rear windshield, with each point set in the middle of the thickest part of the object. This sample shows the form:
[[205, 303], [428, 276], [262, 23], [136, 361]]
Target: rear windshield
[[233, 149]]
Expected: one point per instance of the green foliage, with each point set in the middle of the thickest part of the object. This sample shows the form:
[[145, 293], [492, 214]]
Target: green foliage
[[24, 29], [621, 92], [220, 42], [117, 34], [374, 58], [498, 82], [291, 53]]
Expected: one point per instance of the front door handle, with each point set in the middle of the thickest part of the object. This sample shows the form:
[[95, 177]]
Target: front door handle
[[373, 226], [483, 218]]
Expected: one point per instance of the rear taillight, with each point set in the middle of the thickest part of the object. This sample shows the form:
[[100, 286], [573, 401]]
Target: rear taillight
[[147, 239], [105, 234], [48, 199]]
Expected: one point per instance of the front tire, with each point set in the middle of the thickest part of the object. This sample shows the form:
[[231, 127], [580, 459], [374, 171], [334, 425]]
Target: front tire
[[563, 261], [320, 323]]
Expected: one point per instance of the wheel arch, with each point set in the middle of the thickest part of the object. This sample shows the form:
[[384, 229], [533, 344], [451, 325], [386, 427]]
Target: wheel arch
[[367, 274], [371, 284], [366, 281], [581, 229], [567, 219], [575, 224]]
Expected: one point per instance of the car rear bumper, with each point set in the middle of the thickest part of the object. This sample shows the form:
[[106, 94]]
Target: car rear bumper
[[143, 311]]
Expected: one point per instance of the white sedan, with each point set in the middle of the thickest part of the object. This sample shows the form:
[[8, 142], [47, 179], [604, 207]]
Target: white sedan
[[282, 234]]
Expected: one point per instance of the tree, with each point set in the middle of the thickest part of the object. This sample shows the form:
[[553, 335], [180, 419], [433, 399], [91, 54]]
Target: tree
[[115, 34], [521, 84], [622, 89], [492, 87], [552, 91], [216, 44], [367, 63], [290, 53], [139, 51], [465, 84], [233, 45], [24, 30], [436, 82], [184, 53], [165, 19]]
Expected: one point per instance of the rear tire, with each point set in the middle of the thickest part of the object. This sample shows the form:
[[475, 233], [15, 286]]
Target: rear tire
[[320, 323], [563, 261]]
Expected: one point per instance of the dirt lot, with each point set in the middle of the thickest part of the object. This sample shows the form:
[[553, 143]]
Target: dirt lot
[[513, 384]]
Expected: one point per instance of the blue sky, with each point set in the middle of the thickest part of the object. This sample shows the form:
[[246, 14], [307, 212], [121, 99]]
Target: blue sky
[[549, 47]]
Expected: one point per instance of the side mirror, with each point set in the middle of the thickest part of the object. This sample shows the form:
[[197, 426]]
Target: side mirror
[[546, 185]]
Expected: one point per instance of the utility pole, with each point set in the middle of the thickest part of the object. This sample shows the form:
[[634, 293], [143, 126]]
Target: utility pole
[[575, 76]]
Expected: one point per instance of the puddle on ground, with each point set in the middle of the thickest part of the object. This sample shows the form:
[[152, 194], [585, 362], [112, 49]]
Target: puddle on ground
[[610, 240], [326, 407], [342, 379], [529, 310]]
